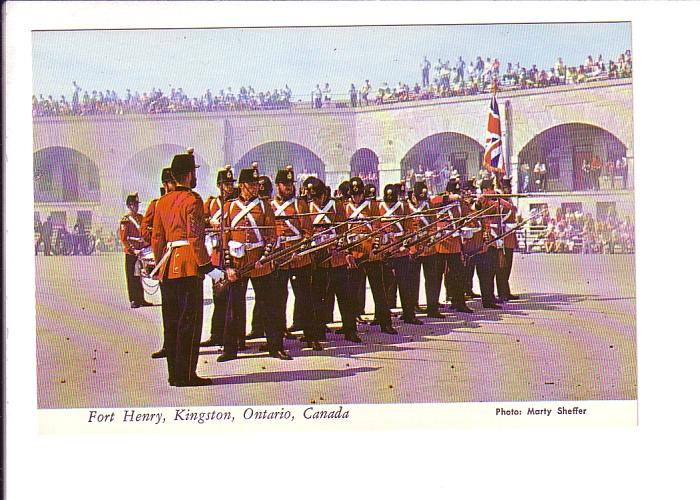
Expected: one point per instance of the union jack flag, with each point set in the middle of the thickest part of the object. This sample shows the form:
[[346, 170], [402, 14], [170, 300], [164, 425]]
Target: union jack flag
[[492, 154]]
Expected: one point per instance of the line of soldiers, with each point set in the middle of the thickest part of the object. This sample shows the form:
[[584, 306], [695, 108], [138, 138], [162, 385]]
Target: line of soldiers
[[326, 247]]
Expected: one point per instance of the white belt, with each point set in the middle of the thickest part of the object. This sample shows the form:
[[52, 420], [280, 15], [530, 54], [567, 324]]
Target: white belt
[[238, 249], [134, 238], [352, 238], [169, 246], [387, 236]]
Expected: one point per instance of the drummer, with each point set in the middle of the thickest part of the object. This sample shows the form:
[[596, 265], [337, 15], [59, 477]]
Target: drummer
[[213, 219]]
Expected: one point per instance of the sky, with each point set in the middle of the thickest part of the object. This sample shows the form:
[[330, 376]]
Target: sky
[[269, 58]]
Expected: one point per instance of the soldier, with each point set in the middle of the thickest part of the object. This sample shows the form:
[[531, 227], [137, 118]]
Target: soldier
[[290, 230], [356, 209], [213, 218], [399, 261], [132, 242], [419, 202], [470, 188], [505, 261], [178, 246], [448, 258], [251, 234], [168, 185], [330, 276], [486, 260]]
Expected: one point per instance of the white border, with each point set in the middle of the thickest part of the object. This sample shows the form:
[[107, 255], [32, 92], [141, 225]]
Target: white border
[[516, 463]]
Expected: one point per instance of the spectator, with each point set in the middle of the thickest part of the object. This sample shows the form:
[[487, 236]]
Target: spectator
[[364, 92], [425, 71], [460, 69], [316, 96], [327, 95], [353, 95], [596, 168]]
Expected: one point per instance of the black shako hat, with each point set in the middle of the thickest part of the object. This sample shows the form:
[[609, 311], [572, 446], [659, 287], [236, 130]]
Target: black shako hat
[[344, 189], [182, 164], [265, 186], [371, 191], [469, 185], [248, 175], [391, 192], [285, 176], [166, 175], [486, 183], [314, 187], [356, 186], [420, 190], [224, 175], [452, 186], [506, 182], [132, 198]]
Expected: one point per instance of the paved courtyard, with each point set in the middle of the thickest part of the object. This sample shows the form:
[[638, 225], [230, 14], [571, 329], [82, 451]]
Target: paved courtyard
[[571, 337]]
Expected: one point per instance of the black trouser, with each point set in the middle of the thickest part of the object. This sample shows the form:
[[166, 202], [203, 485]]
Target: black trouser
[[268, 297], [505, 264], [361, 290], [218, 317], [182, 326], [434, 269], [375, 275], [326, 284], [390, 284], [301, 285], [486, 263], [469, 275], [405, 277], [133, 283], [414, 274]]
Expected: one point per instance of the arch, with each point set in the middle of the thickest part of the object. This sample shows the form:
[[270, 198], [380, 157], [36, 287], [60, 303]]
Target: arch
[[65, 175], [364, 163], [563, 148], [275, 155], [142, 171], [442, 153]]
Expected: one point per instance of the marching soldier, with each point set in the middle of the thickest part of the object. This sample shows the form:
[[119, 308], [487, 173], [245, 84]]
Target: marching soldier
[[487, 258], [132, 242], [448, 258], [250, 235], [419, 202], [167, 185], [505, 261], [178, 246], [392, 206], [330, 276], [292, 228], [357, 208], [470, 188], [213, 218]]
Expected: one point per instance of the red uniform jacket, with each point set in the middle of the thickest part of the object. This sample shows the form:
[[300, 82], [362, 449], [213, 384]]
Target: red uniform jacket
[[493, 226], [147, 222], [366, 208], [452, 244], [256, 230], [335, 214], [130, 233], [179, 217], [291, 231], [396, 231], [419, 222], [212, 219]]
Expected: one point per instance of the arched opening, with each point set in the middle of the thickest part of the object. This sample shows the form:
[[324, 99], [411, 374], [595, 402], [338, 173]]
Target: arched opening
[[64, 175], [567, 151], [365, 164], [274, 156], [142, 171], [439, 156]]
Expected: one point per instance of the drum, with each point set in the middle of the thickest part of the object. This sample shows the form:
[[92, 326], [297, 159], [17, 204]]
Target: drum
[[145, 263]]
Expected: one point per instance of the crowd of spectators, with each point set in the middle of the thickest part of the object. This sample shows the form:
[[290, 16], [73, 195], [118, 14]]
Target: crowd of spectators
[[442, 79], [571, 231], [156, 101]]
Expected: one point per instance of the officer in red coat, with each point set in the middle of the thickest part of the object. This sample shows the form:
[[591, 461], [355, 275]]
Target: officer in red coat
[[182, 262], [133, 243]]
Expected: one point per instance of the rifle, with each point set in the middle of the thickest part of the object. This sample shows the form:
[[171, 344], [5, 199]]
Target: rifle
[[500, 237]]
